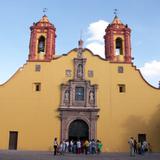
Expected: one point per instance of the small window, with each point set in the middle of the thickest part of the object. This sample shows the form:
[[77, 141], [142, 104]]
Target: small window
[[120, 69], [68, 73], [37, 67], [90, 73], [37, 87], [122, 88], [79, 94]]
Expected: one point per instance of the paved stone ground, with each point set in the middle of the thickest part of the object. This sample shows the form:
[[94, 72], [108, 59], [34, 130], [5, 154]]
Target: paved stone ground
[[30, 155]]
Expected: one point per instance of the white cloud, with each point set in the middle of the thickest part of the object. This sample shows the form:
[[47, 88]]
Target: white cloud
[[96, 30], [95, 40], [151, 72], [96, 48], [151, 69]]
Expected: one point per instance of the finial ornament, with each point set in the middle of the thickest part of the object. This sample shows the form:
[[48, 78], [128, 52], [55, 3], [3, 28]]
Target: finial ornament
[[116, 13], [81, 33], [45, 10], [80, 48]]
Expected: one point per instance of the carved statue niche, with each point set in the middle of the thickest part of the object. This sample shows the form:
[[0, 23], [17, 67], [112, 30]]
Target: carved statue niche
[[66, 96], [80, 71], [79, 68], [91, 97]]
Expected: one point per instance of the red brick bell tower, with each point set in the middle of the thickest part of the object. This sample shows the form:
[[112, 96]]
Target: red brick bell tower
[[42, 41], [117, 42]]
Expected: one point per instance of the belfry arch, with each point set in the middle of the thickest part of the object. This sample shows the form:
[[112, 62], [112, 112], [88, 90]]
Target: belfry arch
[[119, 46], [41, 44]]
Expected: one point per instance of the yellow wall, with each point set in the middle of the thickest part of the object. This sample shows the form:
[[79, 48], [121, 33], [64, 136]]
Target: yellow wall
[[34, 114]]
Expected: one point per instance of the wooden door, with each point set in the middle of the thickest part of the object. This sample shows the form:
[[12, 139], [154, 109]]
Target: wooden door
[[13, 138]]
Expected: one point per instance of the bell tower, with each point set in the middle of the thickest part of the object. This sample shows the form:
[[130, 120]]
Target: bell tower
[[42, 41], [117, 42]]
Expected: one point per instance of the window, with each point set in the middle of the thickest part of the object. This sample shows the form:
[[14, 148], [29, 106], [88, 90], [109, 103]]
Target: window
[[68, 73], [122, 88], [90, 73], [41, 44], [37, 87], [79, 94], [120, 69], [141, 137], [37, 67], [119, 50]]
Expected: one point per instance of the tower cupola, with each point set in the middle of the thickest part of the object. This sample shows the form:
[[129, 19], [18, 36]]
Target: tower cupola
[[117, 42], [42, 40]]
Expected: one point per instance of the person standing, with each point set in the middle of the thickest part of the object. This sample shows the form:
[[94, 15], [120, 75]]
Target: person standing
[[78, 147], [63, 147], [55, 145], [131, 146], [86, 146], [67, 146], [71, 146], [135, 146], [93, 146], [99, 146]]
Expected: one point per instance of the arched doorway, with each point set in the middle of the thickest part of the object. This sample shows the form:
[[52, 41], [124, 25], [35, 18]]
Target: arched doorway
[[78, 129]]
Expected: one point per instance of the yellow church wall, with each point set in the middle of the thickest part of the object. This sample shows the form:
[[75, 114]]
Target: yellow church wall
[[132, 110], [34, 114]]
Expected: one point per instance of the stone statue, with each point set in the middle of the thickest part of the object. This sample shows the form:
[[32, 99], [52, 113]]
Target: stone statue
[[66, 95], [79, 71], [91, 96]]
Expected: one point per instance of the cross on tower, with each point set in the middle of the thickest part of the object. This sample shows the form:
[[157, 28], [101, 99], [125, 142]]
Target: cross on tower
[[45, 10], [116, 13]]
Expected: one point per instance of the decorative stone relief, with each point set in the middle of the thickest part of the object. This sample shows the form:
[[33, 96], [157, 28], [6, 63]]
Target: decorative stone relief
[[91, 97], [66, 96], [79, 66], [80, 71], [83, 107]]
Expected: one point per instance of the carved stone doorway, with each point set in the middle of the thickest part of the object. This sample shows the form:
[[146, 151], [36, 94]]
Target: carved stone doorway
[[78, 129]]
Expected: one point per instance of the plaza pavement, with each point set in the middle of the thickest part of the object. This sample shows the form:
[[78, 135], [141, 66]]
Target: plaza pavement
[[39, 155]]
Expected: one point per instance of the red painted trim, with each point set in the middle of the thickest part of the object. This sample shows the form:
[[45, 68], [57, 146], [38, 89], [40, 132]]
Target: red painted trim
[[112, 30], [48, 29], [38, 60]]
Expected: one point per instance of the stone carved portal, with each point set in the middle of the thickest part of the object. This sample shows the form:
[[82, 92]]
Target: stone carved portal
[[78, 106]]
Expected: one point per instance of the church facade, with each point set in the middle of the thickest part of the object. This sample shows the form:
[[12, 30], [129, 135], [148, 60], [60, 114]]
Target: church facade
[[78, 95]]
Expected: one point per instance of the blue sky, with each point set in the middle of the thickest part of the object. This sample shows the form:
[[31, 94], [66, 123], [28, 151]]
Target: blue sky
[[72, 16]]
